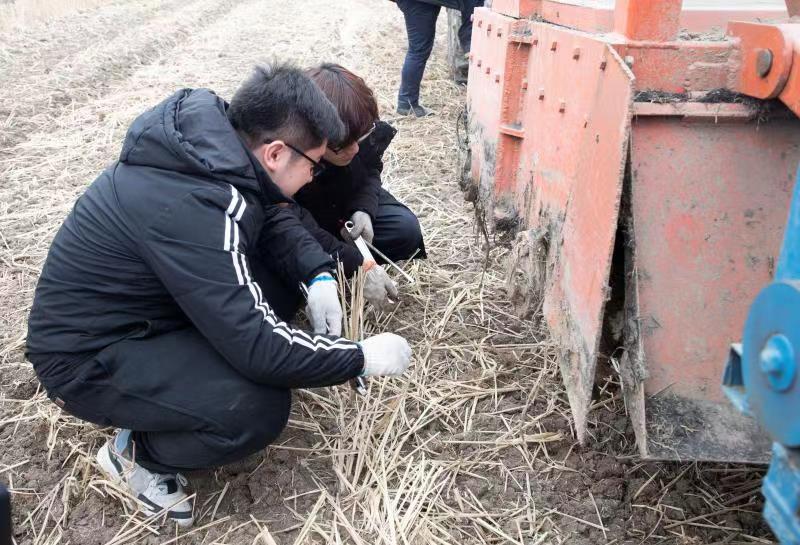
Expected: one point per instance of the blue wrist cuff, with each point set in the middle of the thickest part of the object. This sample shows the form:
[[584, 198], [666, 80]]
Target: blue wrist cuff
[[324, 277]]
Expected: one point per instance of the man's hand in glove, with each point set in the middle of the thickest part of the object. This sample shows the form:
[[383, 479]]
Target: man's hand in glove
[[324, 309], [385, 354], [362, 226], [378, 287]]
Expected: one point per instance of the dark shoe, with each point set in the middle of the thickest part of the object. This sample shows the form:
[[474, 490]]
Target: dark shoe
[[461, 70], [415, 110]]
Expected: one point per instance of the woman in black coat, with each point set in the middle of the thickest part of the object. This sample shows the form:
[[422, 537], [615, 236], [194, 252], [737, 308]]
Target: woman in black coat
[[350, 187]]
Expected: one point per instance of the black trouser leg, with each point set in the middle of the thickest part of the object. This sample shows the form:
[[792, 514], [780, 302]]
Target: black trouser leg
[[420, 19], [187, 406], [397, 230], [465, 30], [5, 516]]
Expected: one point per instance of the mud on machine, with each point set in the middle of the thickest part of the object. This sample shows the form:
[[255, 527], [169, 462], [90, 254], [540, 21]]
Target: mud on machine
[[643, 156]]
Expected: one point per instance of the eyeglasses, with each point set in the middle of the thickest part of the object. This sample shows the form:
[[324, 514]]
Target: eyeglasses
[[366, 134], [317, 168], [360, 139]]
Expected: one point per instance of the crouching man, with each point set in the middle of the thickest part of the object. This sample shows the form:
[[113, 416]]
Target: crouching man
[[147, 316]]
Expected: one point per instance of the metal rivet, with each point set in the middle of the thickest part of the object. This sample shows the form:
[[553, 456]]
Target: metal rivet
[[479, 63], [777, 362], [536, 41], [524, 84], [763, 62], [541, 93], [577, 53], [499, 32], [489, 27], [480, 23], [488, 69], [562, 106], [497, 78], [629, 61], [603, 65], [554, 46]]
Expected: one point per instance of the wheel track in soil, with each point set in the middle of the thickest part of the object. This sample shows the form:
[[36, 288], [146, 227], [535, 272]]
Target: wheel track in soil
[[30, 52], [92, 72]]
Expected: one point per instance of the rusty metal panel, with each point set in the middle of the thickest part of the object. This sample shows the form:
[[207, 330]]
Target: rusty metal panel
[[683, 66], [656, 20], [485, 87], [548, 159], [599, 16], [709, 197], [516, 8], [564, 156]]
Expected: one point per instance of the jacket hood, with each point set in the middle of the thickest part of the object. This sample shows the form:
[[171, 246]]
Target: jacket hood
[[189, 132]]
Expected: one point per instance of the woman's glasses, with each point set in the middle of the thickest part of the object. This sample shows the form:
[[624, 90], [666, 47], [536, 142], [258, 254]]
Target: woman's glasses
[[360, 139]]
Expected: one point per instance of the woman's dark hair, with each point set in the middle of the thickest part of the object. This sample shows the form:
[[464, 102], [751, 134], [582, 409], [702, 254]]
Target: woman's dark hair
[[351, 96], [279, 102]]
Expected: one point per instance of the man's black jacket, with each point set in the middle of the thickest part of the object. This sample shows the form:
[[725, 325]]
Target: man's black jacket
[[333, 196], [162, 239]]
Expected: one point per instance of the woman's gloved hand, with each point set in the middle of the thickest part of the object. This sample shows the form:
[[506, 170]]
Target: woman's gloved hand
[[378, 287], [362, 226]]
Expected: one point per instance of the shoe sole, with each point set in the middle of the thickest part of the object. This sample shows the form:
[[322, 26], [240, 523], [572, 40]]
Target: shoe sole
[[150, 509], [415, 116]]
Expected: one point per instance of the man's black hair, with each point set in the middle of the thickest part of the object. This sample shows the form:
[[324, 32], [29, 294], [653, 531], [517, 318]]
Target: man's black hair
[[279, 102]]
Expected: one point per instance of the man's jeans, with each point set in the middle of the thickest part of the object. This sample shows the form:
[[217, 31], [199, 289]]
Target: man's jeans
[[421, 29]]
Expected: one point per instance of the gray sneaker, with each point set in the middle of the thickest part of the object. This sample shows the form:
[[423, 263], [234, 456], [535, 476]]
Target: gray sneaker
[[417, 110], [154, 492]]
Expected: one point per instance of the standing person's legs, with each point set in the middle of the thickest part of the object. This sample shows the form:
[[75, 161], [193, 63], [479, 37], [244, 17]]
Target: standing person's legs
[[397, 231], [465, 30], [420, 21]]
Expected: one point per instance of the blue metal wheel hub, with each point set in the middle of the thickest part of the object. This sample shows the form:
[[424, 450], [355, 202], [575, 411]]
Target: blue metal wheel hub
[[771, 346]]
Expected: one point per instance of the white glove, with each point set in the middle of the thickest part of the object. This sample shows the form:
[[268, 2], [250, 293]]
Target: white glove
[[385, 354], [324, 309], [362, 226], [378, 287]]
